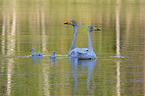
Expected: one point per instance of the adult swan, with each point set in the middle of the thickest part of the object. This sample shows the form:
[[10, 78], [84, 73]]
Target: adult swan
[[81, 53]]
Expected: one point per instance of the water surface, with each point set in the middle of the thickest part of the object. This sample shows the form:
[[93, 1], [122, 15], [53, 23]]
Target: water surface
[[39, 24]]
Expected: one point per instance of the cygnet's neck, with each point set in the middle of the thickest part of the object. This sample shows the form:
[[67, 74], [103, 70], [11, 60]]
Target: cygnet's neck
[[32, 52]]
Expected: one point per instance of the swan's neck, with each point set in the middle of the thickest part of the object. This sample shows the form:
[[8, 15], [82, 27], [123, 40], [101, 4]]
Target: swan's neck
[[89, 40], [74, 39], [32, 52], [53, 53]]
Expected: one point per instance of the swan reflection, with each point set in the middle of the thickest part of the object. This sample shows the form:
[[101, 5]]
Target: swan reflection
[[33, 58], [89, 63], [53, 61]]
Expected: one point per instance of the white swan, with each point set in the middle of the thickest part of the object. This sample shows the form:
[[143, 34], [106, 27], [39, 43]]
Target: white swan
[[72, 49], [35, 54], [88, 53], [74, 24], [82, 53]]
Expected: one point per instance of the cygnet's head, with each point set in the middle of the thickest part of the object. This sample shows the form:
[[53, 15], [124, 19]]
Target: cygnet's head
[[54, 52], [72, 22], [92, 28], [32, 49]]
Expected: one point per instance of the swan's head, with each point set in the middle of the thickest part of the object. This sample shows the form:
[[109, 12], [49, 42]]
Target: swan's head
[[32, 49], [92, 28], [72, 22]]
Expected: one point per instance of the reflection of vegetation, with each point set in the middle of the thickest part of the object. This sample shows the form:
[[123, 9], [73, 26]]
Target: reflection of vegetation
[[39, 24], [33, 15]]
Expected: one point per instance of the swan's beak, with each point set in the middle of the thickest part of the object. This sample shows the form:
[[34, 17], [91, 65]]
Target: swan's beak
[[68, 22], [97, 29], [31, 50]]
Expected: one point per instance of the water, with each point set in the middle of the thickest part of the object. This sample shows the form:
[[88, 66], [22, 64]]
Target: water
[[39, 24]]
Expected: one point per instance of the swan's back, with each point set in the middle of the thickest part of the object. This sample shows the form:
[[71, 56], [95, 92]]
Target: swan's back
[[37, 54]]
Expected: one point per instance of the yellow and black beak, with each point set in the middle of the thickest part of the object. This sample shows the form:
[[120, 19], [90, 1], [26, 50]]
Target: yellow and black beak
[[68, 22], [97, 29]]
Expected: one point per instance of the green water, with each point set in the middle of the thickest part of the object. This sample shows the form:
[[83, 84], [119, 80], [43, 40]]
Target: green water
[[39, 24]]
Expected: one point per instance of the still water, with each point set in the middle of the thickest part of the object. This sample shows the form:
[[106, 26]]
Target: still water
[[119, 47]]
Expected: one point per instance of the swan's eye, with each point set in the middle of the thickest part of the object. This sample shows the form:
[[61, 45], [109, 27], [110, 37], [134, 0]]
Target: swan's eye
[[87, 50]]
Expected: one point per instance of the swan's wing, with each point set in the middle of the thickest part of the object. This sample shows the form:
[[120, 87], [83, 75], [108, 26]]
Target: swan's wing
[[52, 56], [84, 50], [78, 51], [73, 53], [82, 53]]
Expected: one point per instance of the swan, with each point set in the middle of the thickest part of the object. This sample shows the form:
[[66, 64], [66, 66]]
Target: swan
[[81, 53], [53, 56], [88, 53], [35, 54], [74, 24], [72, 49]]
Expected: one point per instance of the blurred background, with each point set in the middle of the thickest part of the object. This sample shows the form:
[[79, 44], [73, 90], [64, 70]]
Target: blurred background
[[39, 24]]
